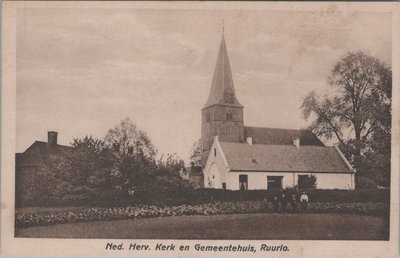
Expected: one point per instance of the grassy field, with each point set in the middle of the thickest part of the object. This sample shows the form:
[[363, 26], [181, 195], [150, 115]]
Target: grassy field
[[241, 226]]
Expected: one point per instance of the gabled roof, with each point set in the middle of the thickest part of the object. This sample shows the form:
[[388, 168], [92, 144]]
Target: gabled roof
[[39, 152], [279, 136], [284, 158], [47, 148], [222, 90]]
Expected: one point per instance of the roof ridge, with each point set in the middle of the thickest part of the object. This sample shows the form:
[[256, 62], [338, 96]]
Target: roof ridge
[[277, 128], [274, 145]]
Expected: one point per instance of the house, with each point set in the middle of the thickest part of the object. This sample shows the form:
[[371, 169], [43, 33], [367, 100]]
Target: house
[[30, 165], [235, 156]]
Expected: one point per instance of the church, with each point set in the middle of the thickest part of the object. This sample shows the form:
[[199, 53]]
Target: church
[[239, 157]]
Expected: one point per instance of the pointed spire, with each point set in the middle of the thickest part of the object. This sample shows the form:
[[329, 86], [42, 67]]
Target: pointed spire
[[222, 89]]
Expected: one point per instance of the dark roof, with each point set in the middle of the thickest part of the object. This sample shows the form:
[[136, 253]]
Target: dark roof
[[279, 136], [38, 152], [222, 82], [285, 158], [45, 147]]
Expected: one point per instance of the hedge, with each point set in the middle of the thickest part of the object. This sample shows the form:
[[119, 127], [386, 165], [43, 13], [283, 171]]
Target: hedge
[[174, 197], [218, 208]]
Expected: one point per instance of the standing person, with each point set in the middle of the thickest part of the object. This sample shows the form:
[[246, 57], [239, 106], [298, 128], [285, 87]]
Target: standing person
[[275, 204], [265, 204], [283, 201], [293, 201], [304, 201]]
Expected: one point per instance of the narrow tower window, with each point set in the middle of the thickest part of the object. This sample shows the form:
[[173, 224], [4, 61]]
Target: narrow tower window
[[215, 152], [229, 98], [229, 116]]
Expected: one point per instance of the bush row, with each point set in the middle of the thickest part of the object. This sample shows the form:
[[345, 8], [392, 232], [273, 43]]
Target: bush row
[[218, 208], [175, 197]]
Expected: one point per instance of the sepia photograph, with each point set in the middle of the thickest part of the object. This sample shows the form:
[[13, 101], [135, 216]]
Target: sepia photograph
[[201, 122]]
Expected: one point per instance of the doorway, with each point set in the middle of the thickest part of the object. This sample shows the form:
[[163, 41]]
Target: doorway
[[274, 182]]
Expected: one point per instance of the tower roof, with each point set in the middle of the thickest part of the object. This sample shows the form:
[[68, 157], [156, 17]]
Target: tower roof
[[222, 90]]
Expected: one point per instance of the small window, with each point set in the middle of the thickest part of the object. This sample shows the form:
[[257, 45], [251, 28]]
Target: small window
[[215, 152], [229, 98], [306, 181], [224, 186], [254, 161], [229, 116], [208, 117], [243, 185]]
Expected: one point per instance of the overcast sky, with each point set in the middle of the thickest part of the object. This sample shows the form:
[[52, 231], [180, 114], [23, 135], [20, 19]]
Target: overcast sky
[[80, 71]]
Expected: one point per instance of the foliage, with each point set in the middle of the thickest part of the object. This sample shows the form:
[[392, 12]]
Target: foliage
[[218, 208], [185, 195], [168, 172], [130, 141], [100, 171], [359, 114], [365, 182], [195, 153]]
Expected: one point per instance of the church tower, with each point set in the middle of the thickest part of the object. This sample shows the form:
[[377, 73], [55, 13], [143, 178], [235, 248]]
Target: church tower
[[222, 114]]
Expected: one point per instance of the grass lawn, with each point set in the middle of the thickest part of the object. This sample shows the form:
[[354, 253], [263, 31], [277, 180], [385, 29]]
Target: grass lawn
[[50, 209], [239, 226]]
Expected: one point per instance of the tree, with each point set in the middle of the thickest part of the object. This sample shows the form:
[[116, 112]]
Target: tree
[[359, 109], [135, 155], [168, 172], [195, 153], [130, 141], [92, 163]]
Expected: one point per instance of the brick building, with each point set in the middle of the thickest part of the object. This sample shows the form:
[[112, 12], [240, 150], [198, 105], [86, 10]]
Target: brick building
[[31, 179]]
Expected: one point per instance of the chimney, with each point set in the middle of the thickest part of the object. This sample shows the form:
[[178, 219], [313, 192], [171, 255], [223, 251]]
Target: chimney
[[296, 142], [52, 137], [249, 140]]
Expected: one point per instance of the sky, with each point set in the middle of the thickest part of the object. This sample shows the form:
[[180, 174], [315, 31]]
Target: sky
[[81, 71]]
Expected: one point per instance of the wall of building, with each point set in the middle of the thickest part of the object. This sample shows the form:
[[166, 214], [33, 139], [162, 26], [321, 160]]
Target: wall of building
[[215, 166], [258, 180], [214, 122], [216, 172]]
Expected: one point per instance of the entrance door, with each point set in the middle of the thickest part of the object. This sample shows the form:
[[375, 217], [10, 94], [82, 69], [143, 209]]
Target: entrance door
[[274, 182]]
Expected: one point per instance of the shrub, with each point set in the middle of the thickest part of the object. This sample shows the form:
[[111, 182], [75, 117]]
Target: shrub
[[217, 208], [363, 182], [186, 196]]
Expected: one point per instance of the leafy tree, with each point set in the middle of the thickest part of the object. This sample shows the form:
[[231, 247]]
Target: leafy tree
[[130, 141], [195, 153], [92, 163], [359, 109], [135, 156], [168, 172]]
